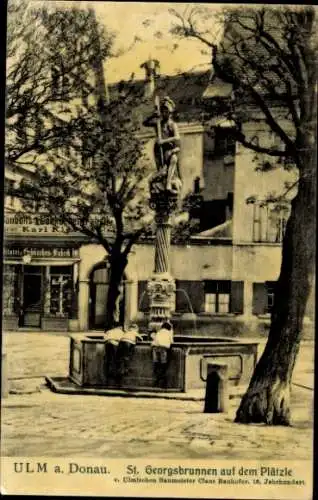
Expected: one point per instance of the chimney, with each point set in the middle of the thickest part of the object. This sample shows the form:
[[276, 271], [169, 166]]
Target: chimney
[[152, 69], [196, 185], [101, 87]]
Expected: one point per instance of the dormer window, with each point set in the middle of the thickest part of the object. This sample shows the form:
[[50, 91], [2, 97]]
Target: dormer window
[[224, 142]]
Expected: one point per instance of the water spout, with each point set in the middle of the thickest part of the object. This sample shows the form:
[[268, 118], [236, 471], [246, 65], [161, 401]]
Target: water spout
[[190, 306]]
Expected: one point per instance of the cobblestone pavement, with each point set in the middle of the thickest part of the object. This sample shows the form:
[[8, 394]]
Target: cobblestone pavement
[[48, 424], [37, 422]]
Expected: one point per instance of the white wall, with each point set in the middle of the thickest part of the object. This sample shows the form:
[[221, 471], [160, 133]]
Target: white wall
[[256, 263], [191, 159], [219, 179], [187, 262], [250, 182]]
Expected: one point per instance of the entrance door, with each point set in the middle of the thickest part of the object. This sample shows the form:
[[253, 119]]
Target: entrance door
[[32, 296], [98, 298]]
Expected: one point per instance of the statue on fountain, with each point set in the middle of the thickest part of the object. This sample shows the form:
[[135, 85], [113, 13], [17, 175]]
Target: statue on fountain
[[165, 187], [166, 150]]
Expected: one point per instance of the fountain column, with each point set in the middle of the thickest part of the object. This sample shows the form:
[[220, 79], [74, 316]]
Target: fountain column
[[161, 286], [165, 188]]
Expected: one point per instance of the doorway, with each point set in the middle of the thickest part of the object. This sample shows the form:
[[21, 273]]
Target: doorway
[[32, 297], [98, 298]]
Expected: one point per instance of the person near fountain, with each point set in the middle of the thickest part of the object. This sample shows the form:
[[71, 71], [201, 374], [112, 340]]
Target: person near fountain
[[161, 346], [112, 338], [167, 147], [125, 350]]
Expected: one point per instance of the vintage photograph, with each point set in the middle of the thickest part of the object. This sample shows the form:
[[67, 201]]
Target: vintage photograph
[[158, 298]]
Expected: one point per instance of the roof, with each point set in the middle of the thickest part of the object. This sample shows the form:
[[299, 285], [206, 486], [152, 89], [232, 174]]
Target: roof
[[189, 91], [265, 69], [217, 88]]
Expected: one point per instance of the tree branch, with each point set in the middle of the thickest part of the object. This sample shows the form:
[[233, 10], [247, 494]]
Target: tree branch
[[133, 239], [103, 240], [258, 149], [258, 99]]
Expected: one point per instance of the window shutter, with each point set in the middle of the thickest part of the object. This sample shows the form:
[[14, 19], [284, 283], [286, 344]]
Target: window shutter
[[237, 301], [143, 298], [259, 298], [192, 291]]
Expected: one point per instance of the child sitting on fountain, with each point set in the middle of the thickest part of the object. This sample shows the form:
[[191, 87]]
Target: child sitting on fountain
[[161, 344], [126, 348], [112, 338]]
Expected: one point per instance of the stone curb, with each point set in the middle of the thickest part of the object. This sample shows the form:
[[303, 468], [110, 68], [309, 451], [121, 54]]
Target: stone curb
[[57, 384]]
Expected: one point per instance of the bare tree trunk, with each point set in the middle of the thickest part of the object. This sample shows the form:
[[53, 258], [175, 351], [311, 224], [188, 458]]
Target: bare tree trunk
[[267, 399], [118, 263]]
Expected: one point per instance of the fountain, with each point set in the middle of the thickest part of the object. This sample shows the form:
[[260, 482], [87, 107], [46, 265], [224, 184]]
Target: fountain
[[187, 368]]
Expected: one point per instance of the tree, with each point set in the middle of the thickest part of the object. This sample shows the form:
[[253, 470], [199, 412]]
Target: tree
[[269, 57], [53, 59], [99, 189], [88, 161]]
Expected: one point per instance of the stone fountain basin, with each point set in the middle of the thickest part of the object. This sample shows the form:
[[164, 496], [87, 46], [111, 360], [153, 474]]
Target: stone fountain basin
[[187, 367]]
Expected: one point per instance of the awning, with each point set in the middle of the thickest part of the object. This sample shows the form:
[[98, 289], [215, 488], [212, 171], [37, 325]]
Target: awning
[[222, 231], [220, 121]]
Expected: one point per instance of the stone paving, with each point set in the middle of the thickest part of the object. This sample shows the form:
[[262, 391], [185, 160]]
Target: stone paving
[[37, 422]]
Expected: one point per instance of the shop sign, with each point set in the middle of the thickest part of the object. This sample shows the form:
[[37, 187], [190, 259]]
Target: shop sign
[[32, 223], [42, 253], [42, 224]]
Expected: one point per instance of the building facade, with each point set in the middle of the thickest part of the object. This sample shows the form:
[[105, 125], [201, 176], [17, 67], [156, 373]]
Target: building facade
[[225, 273]]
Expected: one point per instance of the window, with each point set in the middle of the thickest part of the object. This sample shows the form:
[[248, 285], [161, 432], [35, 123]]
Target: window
[[270, 290], [217, 297], [209, 143], [269, 221], [263, 297], [8, 287], [60, 290], [223, 297], [9, 200], [224, 142], [143, 297]]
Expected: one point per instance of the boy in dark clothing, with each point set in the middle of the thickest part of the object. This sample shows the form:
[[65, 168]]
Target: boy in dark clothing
[[112, 338]]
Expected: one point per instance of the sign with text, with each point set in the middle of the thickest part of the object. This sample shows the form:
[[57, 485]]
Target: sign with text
[[45, 224], [42, 253], [32, 223], [158, 478]]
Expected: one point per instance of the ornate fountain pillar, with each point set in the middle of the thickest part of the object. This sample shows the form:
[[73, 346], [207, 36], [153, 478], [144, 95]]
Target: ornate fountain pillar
[[165, 187], [161, 286]]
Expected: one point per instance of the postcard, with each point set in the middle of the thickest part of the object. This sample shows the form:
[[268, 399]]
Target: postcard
[[159, 250]]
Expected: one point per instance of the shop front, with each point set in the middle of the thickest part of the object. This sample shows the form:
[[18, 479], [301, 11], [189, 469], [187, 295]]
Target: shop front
[[40, 285]]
